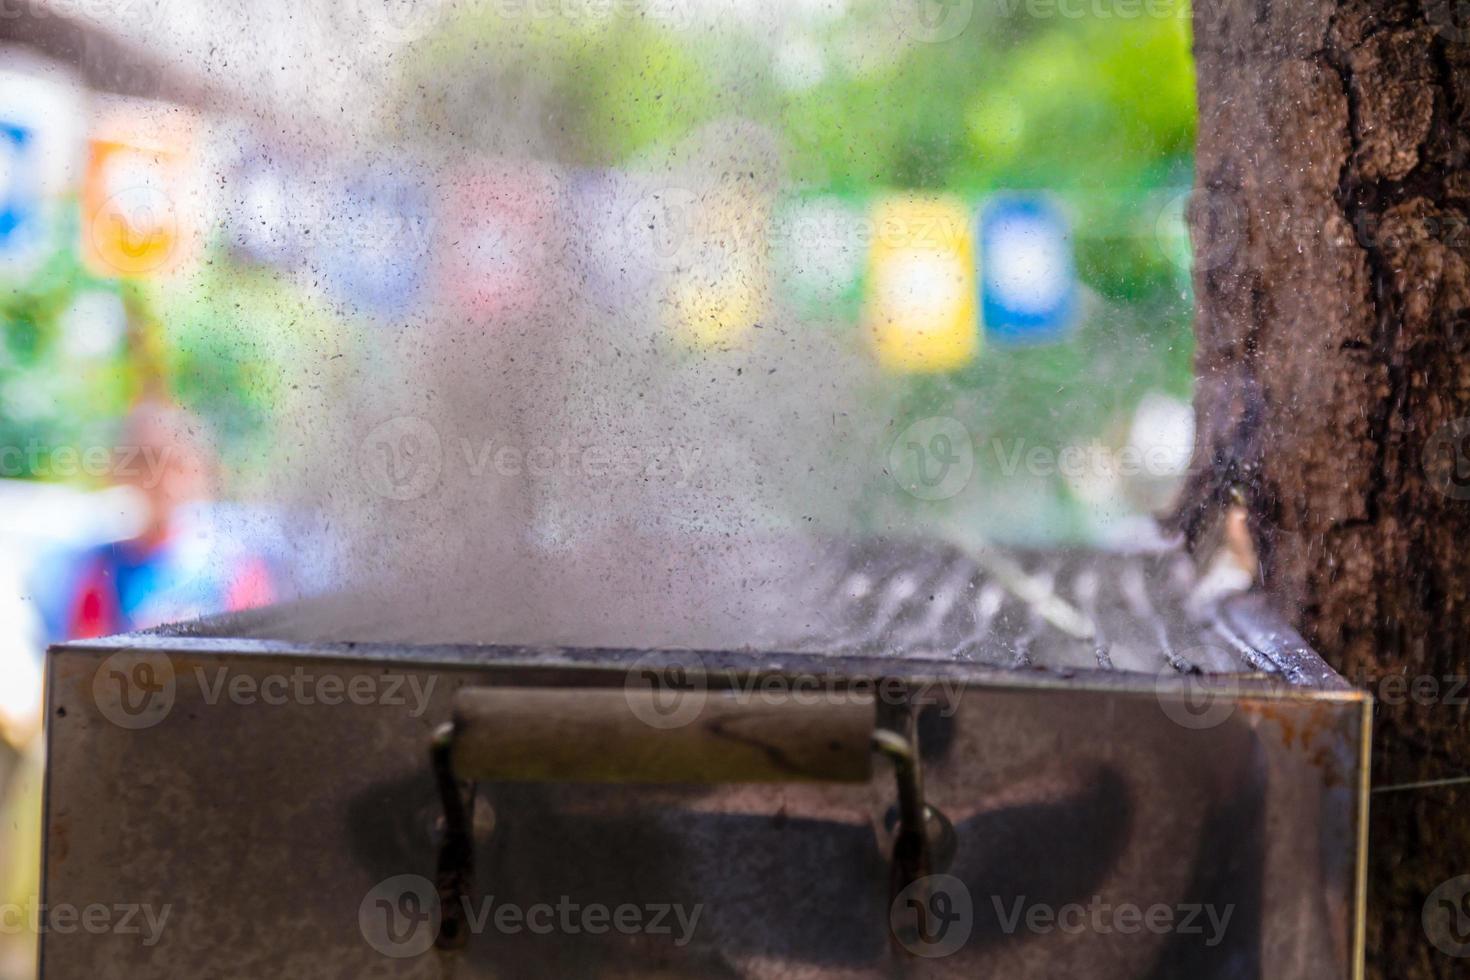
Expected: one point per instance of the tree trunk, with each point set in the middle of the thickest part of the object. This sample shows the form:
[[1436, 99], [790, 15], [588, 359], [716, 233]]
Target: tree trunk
[[1333, 304]]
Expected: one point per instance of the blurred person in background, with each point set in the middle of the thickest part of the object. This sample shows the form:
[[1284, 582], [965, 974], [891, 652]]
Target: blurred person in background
[[176, 566]]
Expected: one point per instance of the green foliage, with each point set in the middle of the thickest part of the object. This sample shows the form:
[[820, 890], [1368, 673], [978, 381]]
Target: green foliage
[[50, 396], [236, 339], [585, 91]]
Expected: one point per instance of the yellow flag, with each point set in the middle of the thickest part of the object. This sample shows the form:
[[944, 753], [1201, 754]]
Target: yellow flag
[[716, 257], [921, 310], [138, 207]]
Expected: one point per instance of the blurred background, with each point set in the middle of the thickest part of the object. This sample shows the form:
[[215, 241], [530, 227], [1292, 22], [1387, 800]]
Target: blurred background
[[220, 219]]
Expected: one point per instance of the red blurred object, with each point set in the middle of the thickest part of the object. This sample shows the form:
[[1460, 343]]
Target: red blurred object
[[501, 238]]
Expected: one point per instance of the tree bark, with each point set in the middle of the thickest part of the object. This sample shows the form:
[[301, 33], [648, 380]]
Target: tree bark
[[1332, 287]]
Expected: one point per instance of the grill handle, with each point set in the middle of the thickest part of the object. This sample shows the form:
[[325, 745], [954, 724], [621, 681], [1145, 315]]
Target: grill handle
[[633, 735], [649, 736]]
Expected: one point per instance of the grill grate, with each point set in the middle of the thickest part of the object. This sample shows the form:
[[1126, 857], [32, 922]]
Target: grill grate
[[1057, 610], [1067, 610]]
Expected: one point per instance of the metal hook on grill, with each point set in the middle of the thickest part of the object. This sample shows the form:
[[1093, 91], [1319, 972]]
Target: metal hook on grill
[[911, 855], [456, 868]]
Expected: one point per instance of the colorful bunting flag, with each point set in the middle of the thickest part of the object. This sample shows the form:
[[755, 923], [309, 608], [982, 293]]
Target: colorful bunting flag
[[1028, 283], [20, 201], [501, 239], [374, 243], [140, 214], [921, 285]]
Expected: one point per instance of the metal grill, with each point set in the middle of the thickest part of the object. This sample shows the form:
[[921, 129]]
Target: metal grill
[[1075, 766]]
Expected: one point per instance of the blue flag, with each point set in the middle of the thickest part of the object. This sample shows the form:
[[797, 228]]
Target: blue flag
[[1028, 282], [20, 199]]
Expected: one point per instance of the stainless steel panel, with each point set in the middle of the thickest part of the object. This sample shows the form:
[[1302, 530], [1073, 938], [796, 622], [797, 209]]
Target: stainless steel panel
[[278, 835]]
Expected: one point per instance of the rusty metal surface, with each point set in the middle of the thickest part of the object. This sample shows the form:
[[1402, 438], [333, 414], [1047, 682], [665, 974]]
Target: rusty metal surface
[[279, 835]]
